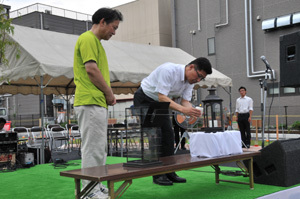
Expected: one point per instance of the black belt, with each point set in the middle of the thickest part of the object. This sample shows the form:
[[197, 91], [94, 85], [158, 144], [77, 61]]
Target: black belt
[[243, 113]]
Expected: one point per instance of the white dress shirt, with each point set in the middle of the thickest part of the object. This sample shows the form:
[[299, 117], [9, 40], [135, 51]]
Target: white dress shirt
[[244, 104], [168, 79]]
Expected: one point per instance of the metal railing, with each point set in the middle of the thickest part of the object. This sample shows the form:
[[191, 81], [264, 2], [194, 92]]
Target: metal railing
[[29, 120], [38, 7]]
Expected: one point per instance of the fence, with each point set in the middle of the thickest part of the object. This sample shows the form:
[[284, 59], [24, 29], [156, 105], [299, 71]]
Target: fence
[[287, 115], [24, 120], [50, 10]]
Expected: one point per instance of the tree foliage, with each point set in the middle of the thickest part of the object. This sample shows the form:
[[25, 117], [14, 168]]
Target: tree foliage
[[5, 29]]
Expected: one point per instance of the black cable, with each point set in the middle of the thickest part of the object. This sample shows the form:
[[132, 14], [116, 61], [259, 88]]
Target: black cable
[[201, 171], [62, 164], [270, 107]]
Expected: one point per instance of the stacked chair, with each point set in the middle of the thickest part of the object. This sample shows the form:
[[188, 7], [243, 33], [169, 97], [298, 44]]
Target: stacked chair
[[75, 136], [59, 138]]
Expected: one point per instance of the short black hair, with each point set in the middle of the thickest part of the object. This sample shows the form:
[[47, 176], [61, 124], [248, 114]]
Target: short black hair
[[202, 63], [242, 87], [108, 14], [2, 120]]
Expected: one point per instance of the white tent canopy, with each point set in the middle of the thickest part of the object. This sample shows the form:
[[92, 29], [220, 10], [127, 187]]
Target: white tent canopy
[[49, 55]]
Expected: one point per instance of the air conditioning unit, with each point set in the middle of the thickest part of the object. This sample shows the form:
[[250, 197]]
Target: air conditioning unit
[[48, 12]]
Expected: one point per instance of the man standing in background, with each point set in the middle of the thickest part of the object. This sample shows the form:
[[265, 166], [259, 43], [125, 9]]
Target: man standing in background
[[244, 109], [93, 92]]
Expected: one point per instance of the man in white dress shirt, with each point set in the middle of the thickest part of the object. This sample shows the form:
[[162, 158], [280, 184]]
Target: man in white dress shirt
[[166, 82], [244, 109]]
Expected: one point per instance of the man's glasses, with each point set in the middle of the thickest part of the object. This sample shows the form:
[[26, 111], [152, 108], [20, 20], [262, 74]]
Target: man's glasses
[[201, 77]]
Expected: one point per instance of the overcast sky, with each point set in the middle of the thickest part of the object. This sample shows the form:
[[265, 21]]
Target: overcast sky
[[83, 6]]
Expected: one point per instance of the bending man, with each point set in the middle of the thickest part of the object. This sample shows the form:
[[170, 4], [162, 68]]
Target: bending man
[[166, 82]]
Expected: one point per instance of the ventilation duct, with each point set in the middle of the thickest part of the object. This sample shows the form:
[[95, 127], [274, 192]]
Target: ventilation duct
[[286, 20], [269, 24], [296, 18], [283, 21]]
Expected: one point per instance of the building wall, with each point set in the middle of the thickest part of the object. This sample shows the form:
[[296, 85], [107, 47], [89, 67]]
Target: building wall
[[53, 23], [146, 22], [230, 44]]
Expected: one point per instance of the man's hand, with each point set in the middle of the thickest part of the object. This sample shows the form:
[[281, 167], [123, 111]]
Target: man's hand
[[185, 107], [97, 79], [191, 111], [110, 100]]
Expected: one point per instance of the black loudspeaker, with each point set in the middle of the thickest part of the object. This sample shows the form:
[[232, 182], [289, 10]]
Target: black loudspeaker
[[290, 60], [8, 142], [278, 164]]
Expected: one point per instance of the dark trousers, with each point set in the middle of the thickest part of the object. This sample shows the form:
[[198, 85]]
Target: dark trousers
[[167, 133], [244, 126]]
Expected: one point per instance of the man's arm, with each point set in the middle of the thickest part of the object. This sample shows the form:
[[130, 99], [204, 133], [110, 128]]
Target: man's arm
[[97, 79], [186, 108], [250, 116], [250, 110]]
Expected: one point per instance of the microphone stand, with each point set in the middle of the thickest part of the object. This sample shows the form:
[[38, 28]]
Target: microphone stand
[[264, 88]]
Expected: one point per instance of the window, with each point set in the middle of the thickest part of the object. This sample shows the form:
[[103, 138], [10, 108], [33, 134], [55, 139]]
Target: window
[[211, 46], [291, 52], [274, 91], [289, 90], [282, 91]]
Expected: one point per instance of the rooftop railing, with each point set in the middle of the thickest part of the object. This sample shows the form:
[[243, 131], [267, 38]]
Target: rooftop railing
[[38, 7]]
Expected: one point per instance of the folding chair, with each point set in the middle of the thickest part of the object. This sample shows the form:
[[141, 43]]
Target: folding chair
[[59, 134], [36, 142], [49, 126], [74, 134], [23, 134], [132, 135], [36, 136]]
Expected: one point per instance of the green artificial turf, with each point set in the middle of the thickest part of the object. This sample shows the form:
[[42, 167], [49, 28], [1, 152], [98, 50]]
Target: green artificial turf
[[44, 181]]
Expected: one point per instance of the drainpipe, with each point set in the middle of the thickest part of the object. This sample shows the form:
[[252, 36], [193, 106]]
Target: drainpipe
[[41, 19], [247, 37], [173, 21], [87, 25], [226, 22], [199, 15]]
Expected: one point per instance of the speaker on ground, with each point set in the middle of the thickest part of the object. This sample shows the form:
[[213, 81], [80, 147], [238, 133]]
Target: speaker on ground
[[278, 164]]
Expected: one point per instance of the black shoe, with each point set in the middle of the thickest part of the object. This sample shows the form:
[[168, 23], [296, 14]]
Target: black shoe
[[248, 146], [175, 178], [162, 180], [183, 148]]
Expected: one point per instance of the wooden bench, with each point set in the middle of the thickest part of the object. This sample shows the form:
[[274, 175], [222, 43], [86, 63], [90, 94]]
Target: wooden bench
[[117, 172]]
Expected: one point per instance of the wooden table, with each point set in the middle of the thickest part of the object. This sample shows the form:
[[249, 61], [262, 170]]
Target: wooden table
[[116, 172]]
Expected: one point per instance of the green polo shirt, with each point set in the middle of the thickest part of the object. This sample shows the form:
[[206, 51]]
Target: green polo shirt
[[88, 47]]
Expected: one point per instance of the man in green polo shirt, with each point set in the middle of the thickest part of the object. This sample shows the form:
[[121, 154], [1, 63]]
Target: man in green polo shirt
[[93, 92]]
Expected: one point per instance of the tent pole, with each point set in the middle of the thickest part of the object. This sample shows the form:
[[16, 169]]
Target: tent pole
[[230, 107], [198, 96], [42, 114], [68, 109]]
